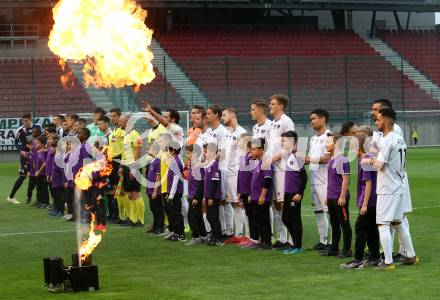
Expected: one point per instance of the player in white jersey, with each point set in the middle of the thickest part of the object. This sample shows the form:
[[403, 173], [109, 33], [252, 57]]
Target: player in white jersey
[[258, 114], [407, 208], [391, 165], [281, 123], [317, 160], [234, 212], [201, 121], [216, 133]]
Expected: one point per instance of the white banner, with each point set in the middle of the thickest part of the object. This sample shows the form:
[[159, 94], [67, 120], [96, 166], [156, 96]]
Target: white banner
[[8, 128]]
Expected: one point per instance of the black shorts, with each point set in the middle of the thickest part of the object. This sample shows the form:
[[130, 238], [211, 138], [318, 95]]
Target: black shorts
[[130, 185], [113, 177]]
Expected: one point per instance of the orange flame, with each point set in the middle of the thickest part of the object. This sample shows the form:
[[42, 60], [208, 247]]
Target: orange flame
[[109, 36], [90, 244], [84, 178]]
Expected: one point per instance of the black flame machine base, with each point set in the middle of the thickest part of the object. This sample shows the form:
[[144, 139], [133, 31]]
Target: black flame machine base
[[74, 278]]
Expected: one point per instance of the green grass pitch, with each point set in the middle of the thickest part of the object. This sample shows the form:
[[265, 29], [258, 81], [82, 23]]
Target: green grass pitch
[[135, 265]]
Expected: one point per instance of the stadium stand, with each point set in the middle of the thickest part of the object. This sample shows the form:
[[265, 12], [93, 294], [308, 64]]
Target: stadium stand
[[51, 97], [419, 47], [154, 92], [232, 64]]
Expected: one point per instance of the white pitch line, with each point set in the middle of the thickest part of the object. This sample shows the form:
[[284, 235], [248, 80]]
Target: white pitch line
[[71, 230], [44, 232]]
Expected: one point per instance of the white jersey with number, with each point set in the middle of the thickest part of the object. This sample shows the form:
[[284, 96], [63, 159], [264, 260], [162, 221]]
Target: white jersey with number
[[277, 128], [318, 172], [261, 130], [392, 152], [231, 153]]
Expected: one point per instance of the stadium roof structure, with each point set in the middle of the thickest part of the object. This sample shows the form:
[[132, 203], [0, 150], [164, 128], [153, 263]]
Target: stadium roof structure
[[366, 5]]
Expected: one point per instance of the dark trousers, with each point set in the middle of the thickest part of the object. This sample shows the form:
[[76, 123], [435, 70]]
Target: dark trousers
[[167, 210], [68, 197], [156, 207], [51, 193], [58, 199], [17, 185], [339, 219], [32, 184], [262, 223], [112, 207], [213, 218], [195, 219], [250, 211], [176, 215], [367, 234], [292, 219], [42, 190]]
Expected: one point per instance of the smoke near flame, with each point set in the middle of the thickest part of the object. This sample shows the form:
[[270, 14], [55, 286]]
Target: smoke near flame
[[109, 36]]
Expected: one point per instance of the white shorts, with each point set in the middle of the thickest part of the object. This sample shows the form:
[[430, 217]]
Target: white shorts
[[231, 188], [318, 194], [389, 208], [223, 183], [278, 186], [407, 205]]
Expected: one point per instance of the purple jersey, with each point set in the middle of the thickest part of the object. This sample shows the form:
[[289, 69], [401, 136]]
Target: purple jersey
[[57, 173], [257, 182], [246, 166], [337, 166], [49, 162], [195, 180], [295, 177], [175, 170], [212, 173], [366, 173], [81, 153], [41, 159], [67, 174], [153, 171], [32, 158]]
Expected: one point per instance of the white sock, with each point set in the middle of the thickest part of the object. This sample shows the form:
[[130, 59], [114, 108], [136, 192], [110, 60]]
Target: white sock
[[386, 242], [207, 225], [246, 225], [401, 245], [281, 229], [229, 218], [185, 208], [221, 215], [238, 220], [322, 224], [405, 240]]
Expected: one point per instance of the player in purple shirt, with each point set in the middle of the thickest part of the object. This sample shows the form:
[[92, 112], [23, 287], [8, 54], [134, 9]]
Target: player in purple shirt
[[51, 138], [56, 180], [195, 195], [246, 166], [365, 228], [294, 186], [212, 193], [40, 173], [153, 190], [174, 194], [261, 194], [32, 159], [338, 196]]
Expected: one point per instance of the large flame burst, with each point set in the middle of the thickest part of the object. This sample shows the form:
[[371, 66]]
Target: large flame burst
[[109, 36]]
